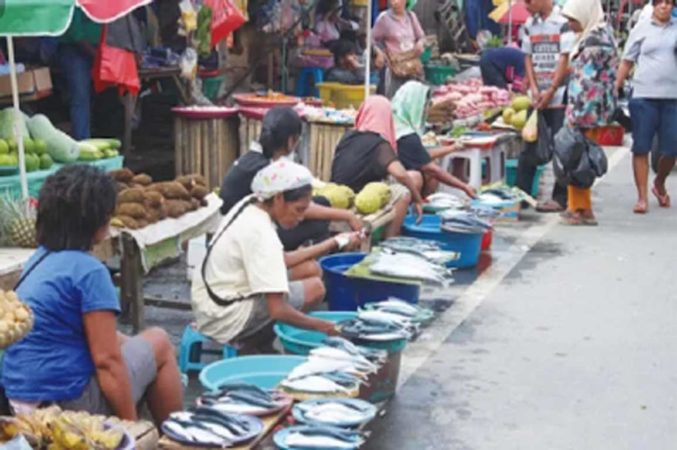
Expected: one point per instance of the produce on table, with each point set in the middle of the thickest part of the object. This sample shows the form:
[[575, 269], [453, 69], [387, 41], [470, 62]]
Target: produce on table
[[372, 197], [471, 98], [94, 149], [521, 103], [507, 115], [8, 119], [61, 147], [17, 223], [89, 152], [519, 119], [4, 147], [16, 319], [40, 147], [341, 197], [55, 429], [141, 202], [203, 35]]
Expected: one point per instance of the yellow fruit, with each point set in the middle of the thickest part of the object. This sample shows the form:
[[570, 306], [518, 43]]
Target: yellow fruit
[[521, 103], [21, 314], [519, 119], [368, 202], [507, 115]]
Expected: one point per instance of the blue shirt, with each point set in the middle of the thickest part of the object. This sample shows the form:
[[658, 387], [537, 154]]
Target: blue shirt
[[53, 363]]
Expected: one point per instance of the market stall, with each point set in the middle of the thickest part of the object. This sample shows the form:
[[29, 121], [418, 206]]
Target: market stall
[[205, 141], [325, 128]]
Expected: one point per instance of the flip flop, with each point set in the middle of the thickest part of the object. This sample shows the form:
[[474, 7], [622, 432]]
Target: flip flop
[[550, 206], [663, 200], [570, 218]]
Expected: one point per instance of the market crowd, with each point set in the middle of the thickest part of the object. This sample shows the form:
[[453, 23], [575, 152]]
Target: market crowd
[[261, 264]]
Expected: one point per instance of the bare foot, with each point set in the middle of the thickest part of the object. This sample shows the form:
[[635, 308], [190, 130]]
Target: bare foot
[[641, 207]]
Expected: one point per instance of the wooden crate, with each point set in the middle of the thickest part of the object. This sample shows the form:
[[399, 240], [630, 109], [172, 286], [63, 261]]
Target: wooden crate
[[323, 139]]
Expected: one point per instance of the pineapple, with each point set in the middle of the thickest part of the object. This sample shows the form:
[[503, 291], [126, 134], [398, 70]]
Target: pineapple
[[17, 223]]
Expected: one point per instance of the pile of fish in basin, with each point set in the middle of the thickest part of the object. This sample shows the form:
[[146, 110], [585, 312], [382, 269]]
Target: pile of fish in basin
[[229, 416], [344, 371]]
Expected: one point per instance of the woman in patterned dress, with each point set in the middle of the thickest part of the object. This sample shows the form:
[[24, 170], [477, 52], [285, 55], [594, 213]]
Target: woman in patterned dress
[[591, 93]]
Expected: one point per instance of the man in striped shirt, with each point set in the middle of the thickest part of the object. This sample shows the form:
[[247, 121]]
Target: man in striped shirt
[[547, 43]]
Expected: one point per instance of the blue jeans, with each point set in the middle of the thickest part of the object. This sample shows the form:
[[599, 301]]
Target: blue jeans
[[654, 118], [76, 66]]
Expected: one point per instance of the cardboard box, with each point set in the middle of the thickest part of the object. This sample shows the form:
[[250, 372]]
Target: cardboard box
[[31, 82]]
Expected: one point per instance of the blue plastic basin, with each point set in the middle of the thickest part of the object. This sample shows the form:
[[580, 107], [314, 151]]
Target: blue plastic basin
[[264, 371], [469, 245], [300, 342], [347, 294]]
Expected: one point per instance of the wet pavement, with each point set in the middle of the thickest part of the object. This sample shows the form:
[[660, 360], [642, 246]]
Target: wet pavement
[[563, 338]]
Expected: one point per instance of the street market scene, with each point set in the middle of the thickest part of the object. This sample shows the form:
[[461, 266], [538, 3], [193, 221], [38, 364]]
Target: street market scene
[[337, 224]]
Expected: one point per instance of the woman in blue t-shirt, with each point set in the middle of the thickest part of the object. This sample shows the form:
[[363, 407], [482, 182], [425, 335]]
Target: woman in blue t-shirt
[[74, 357]]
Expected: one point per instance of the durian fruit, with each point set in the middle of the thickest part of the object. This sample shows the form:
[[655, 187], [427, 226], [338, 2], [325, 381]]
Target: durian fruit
[[341, 197], [372, 197], [17, 223]]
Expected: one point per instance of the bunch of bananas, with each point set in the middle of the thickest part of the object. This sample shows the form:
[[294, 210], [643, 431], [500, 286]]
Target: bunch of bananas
[[16, 319], [68, 430]]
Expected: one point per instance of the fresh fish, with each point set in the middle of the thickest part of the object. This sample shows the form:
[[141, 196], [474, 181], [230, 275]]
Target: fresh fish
[[333, 412], [319, 366], [429, 250], [315, 384], [323, 437], [238, 408], [358, 361], [374, 355], [408, 266], [361, 329], [402, 307], [383, 317], [195, 433]]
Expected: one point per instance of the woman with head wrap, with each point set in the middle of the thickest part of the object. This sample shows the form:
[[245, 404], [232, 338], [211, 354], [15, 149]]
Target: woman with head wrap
[[592, 97], [242, 287], [368, 154], [410, 108], [280, 135]]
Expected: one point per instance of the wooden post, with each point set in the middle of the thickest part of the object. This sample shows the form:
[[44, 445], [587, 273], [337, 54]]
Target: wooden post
[[131, 288]]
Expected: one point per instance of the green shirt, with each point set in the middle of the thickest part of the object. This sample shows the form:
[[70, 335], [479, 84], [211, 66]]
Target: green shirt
[[82, 29]]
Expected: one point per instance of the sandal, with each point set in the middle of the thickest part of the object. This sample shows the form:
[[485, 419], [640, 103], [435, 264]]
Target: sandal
[[571, 218], [663, 200], [589, 221], [551, 206]]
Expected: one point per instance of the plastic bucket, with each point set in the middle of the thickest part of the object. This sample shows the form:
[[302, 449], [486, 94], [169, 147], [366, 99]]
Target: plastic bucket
[[264, 371], [299, 341], [347, 294], [469, 245], [487, 239], [511, 176]]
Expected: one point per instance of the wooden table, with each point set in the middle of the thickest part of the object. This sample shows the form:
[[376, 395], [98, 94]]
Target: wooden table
[[263, 441], [129, 100]]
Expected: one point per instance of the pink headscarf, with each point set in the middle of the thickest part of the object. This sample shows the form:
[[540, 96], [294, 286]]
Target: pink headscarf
[[376, 115]]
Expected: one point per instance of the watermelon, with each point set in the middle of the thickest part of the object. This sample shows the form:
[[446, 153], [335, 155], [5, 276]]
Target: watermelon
[[61, 147]]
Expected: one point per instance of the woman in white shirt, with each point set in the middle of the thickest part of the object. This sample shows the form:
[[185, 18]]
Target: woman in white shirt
[[243, 286]]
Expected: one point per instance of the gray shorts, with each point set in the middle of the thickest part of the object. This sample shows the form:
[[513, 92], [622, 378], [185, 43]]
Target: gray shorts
[[140, 361], [260, 318]]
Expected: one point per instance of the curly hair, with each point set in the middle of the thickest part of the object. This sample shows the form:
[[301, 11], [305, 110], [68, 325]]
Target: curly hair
[[74, 203]]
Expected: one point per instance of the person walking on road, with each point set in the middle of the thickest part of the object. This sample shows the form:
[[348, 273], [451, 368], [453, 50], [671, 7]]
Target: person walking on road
[[591, 95], [547, 43], [652, 47]]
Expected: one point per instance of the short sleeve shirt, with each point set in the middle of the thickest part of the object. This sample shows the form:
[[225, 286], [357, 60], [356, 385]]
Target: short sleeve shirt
[[395, 34], [411, 152], [246, 260], [53, 362], [545, 40], [651, 47]]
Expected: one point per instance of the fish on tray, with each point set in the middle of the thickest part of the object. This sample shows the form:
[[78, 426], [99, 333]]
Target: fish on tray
[[403, 265], [319, 437], [428, 250], [336, 412], [244, 398], [374, 355], [321, 384], [207, 426]]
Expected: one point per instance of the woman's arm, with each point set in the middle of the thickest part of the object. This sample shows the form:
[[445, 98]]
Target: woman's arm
[[320, 212], [280, 310], [111, 371], [623, 71], [441, 152], [296, 257], [397, 170]]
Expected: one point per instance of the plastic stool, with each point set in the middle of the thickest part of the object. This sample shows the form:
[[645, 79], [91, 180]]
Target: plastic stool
[[303, 88], [474, 157], [190, 353]]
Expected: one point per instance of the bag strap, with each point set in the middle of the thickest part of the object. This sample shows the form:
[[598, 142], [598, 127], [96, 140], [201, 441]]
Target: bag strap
[[212, 295], [31, 269]]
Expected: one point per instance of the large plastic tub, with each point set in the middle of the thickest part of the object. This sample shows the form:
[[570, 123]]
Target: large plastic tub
[[343, 95], [347, 294], [511, 176], [469, 245], [379, 386], [264, 371]]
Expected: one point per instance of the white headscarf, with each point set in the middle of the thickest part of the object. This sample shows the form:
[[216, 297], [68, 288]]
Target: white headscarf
[[281, 176], [588, 13]]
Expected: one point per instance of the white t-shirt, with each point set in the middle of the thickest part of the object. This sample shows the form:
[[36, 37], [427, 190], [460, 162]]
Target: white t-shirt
[[248, 259]]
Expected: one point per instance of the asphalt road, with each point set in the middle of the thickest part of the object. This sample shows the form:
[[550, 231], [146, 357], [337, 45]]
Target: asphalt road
[[566, 342]]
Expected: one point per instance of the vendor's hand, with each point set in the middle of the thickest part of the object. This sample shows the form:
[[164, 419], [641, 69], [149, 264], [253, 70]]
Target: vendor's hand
[[379, 60], [352, 240], [545, 99], [327, 327], [420, 47], [618, 86], [354, 222], [418, 208], [535, 95], [470, 191]]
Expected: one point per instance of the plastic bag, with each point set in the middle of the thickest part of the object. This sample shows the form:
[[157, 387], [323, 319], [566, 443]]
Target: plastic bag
[[226, 18], [530, 130], [188, 64], [540, 151], [577, 160], [115, 66]]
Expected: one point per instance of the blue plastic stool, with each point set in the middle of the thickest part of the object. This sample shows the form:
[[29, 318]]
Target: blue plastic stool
[[303, 88], [190, 353]]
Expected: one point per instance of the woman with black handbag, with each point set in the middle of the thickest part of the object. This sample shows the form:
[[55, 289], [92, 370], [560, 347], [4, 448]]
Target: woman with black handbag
[[591, 95]]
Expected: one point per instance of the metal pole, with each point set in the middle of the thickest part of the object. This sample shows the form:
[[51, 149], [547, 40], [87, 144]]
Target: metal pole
[[18, 119], [367, 69]]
